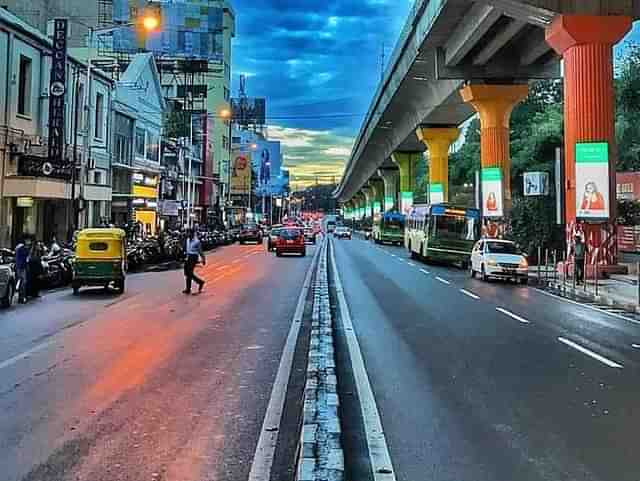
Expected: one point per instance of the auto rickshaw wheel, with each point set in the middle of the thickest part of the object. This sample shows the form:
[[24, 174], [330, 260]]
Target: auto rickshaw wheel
[[76, 288], [120, 286]]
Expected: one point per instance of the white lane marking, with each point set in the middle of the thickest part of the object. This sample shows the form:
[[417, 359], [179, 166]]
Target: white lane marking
[[588, 352], [411, 264], [444, 281], [424, 271], [470, 294], [512, 315], [587, 306], [381, 465], [393, 255], [236, 261], [11, 361], [266, 447], [635, 346]]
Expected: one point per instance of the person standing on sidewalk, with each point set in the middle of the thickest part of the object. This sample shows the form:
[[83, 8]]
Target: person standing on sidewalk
[[580, 254], [22, 259], [194, 253]]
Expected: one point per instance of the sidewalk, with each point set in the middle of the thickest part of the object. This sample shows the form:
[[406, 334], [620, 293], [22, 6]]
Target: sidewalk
[[620, 291]]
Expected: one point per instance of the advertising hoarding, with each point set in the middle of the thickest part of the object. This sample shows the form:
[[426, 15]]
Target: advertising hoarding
[[436, 194], [240, 173], [406, 202], [388, 203], [249, 111], [492, 195], [592, 181], [267, 163]]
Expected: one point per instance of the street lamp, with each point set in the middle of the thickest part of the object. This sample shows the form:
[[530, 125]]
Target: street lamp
[[227, 115]]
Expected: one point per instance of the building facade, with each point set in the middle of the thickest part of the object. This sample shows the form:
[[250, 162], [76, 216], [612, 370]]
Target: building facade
[[31, 200]]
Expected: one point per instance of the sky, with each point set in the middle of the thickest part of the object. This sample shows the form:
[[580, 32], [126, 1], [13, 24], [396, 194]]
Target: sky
[[318, 63]]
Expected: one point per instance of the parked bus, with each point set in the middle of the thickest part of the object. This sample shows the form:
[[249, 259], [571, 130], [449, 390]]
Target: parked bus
[[388, 227], [442, 232]]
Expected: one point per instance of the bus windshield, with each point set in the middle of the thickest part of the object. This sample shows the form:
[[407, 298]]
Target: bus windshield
[[454, 227], [393, 223]]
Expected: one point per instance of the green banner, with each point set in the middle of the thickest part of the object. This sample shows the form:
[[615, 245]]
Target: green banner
[[491, 173], [388, 203], [377, 206], [437, 188], [592, 152]]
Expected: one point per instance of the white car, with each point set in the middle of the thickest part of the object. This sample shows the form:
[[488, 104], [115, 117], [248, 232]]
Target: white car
[[499, 258]]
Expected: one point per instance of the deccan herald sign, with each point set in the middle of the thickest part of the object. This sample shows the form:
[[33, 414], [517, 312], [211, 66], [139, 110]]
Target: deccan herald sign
[[57, 91]]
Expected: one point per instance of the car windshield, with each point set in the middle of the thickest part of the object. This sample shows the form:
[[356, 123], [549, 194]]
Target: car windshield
[[501, 248], [290, 234]]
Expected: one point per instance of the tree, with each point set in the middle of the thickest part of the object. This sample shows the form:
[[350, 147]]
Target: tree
[[628, 110]]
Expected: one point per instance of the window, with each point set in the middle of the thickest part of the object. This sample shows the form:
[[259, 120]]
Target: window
[[123, 139], [24, 86], [98, 246], [97, 177], [140, 137], [226, 93], [153, 146], [225, 142], [502, 248], [99, 120], [79, 106]]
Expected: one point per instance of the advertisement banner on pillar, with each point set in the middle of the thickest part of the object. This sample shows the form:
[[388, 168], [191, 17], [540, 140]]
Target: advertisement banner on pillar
[[377, 207], [388, 203], [492, 195], [406, 202], [436, 194], [592, 181]]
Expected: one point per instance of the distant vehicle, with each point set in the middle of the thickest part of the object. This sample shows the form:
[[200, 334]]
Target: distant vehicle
[[7, 278], [331, 226], [273, 237], [442, 232], [389, 227], [250, 233], [499, 258], [309, 235], [342, 232], [291, 241]]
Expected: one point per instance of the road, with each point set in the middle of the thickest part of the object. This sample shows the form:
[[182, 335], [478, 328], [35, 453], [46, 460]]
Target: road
[[154, 384], [482, 381]]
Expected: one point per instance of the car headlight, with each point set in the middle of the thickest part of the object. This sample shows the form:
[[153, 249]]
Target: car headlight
[[524, 264], [492, 263]]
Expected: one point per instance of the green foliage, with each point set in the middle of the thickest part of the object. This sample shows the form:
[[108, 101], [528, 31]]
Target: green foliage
[[628, 110], [532, 223], [628, 212]]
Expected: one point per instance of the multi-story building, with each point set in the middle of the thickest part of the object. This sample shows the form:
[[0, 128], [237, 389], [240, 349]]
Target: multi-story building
[[138, 110], [31, 199]]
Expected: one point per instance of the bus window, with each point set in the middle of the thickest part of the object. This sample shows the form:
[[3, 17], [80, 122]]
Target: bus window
[[454, 227]]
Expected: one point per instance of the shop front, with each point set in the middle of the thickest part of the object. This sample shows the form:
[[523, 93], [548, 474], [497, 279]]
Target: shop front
[[144, 195]]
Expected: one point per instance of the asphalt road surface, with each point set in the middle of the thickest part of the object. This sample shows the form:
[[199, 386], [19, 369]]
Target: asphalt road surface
[[483, 381], [152, 385]]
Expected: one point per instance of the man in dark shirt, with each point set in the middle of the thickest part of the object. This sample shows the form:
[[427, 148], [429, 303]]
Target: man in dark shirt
[[580, 254], [22, 258]]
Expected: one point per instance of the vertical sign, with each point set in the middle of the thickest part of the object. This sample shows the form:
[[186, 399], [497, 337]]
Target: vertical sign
[[559, 176], [57, 90], [492, 200], [406, 202], [592, 181], [436, 194]]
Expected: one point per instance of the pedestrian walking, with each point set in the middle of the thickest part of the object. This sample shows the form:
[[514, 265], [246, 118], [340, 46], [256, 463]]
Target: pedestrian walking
[[34, 269], [579, 253], [22, 259], [194, 253]]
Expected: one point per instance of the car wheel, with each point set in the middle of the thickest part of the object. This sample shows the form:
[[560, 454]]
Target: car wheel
[[7, 300], [278, 254], [471, 271], [524, 281], [304, 253]]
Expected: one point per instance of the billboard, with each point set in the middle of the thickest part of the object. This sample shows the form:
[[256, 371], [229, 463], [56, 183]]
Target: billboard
[[436, 194], [267, 163], [190, 29], [406, 202], [492, 196], [536, 183], [240, 173], [592, 181], [249, 111]]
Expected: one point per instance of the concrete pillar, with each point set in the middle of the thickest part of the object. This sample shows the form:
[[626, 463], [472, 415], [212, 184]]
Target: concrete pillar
[[367, 191], [586, 45], [361, 203], [390, 180], [378, 195], [438, 141], [494, 104], [407, 163]]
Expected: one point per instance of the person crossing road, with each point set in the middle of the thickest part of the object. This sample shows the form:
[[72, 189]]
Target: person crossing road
[[194, 253]]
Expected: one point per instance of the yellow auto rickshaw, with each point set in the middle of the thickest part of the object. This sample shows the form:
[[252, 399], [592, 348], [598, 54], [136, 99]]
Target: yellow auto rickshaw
[[101, 258]]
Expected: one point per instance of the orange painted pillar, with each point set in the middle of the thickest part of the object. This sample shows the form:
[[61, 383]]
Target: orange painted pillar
[[494, 104], [438, 141], [586, 45]]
